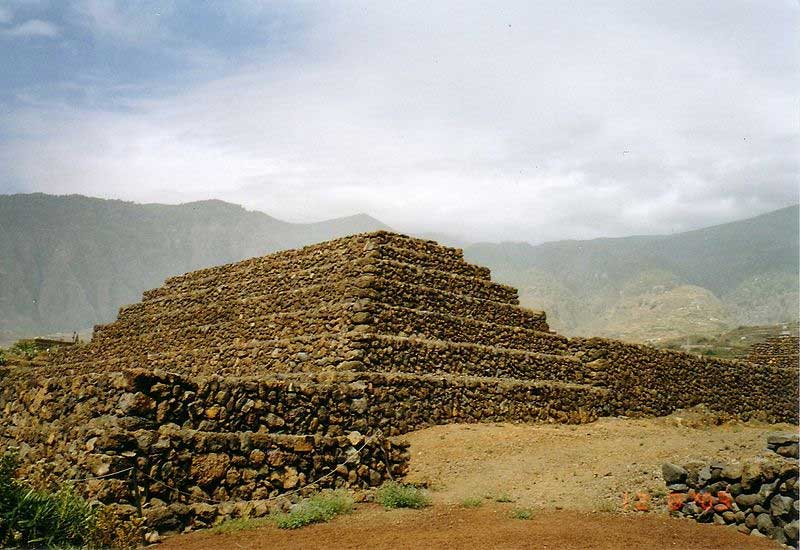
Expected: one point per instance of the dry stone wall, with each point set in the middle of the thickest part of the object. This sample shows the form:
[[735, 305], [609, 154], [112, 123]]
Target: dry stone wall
[[758, 497], [645, 380]]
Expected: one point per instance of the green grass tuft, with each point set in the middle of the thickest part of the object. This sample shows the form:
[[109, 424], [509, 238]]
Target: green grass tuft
[[522, 513], [503, 497], [316, 509], [396, 495], [239, 524], [472, 502]]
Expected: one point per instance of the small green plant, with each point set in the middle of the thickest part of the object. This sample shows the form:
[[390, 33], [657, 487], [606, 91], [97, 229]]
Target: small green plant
[[316, 509], [397, 495], [38, 519], [522, 513], [472, 502], [2, 358], [27, 349], [240, 524], [503, 497]]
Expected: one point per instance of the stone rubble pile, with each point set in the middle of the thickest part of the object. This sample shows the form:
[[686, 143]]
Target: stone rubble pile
[[373, 335], [759, 497]]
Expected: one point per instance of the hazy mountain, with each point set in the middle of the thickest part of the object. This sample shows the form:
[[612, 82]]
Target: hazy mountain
[[69, 262], [656, 287]]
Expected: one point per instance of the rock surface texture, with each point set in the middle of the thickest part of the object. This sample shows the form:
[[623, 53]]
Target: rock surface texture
[[248, 382], [758, 497]]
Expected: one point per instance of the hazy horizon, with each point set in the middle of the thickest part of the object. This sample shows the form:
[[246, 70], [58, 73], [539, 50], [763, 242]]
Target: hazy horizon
[[530, 121]]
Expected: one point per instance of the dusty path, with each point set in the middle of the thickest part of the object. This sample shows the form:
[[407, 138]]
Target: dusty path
[[486, 527], [586, 467]]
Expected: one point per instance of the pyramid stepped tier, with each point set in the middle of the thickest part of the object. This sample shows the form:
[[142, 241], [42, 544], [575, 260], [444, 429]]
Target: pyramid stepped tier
[[778, 351], [270, 281], [222, 307], [413, 355], [328, 404], [380, 245], [403, 321]]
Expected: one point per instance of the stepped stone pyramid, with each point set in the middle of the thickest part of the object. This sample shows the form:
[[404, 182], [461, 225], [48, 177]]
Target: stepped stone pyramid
[[247, 381], [778, 351]]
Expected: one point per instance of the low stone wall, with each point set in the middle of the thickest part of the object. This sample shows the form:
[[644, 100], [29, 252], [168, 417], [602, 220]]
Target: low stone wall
[[647, 381], [759, 497], [179, 465]]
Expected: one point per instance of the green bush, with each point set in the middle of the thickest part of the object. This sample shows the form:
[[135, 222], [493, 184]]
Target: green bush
[[396, 495], [316, 509], [31, 518], [2, 358]]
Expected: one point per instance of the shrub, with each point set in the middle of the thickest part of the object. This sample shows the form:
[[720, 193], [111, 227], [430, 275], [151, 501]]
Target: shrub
[[503, 497], [38, 519], [522, 513], [26, 349], [316, 509], [2, 358], [397, 495], [471, 502]]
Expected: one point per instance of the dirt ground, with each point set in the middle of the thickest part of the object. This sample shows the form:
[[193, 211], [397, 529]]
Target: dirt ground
[[572, 477], [588, 467], [489, 526]]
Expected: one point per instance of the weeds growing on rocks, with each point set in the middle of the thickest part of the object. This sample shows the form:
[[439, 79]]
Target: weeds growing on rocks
[[397, 495], [316, 509]]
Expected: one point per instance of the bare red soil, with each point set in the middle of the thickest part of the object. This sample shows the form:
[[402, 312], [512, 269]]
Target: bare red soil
[[489, 526]]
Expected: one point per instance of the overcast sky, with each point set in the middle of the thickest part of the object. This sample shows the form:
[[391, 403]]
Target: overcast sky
[[489, 120]]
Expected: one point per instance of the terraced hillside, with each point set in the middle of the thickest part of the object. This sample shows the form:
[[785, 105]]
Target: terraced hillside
[[252, 380]]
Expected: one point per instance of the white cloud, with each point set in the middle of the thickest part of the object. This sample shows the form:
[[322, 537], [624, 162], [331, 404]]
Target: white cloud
[[526, 121], [5, 15], [138, 23], [32, 28]]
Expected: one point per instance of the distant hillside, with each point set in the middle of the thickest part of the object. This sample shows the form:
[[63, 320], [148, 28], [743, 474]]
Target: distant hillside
[[69, 262], [659, 287], [731, 344]]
